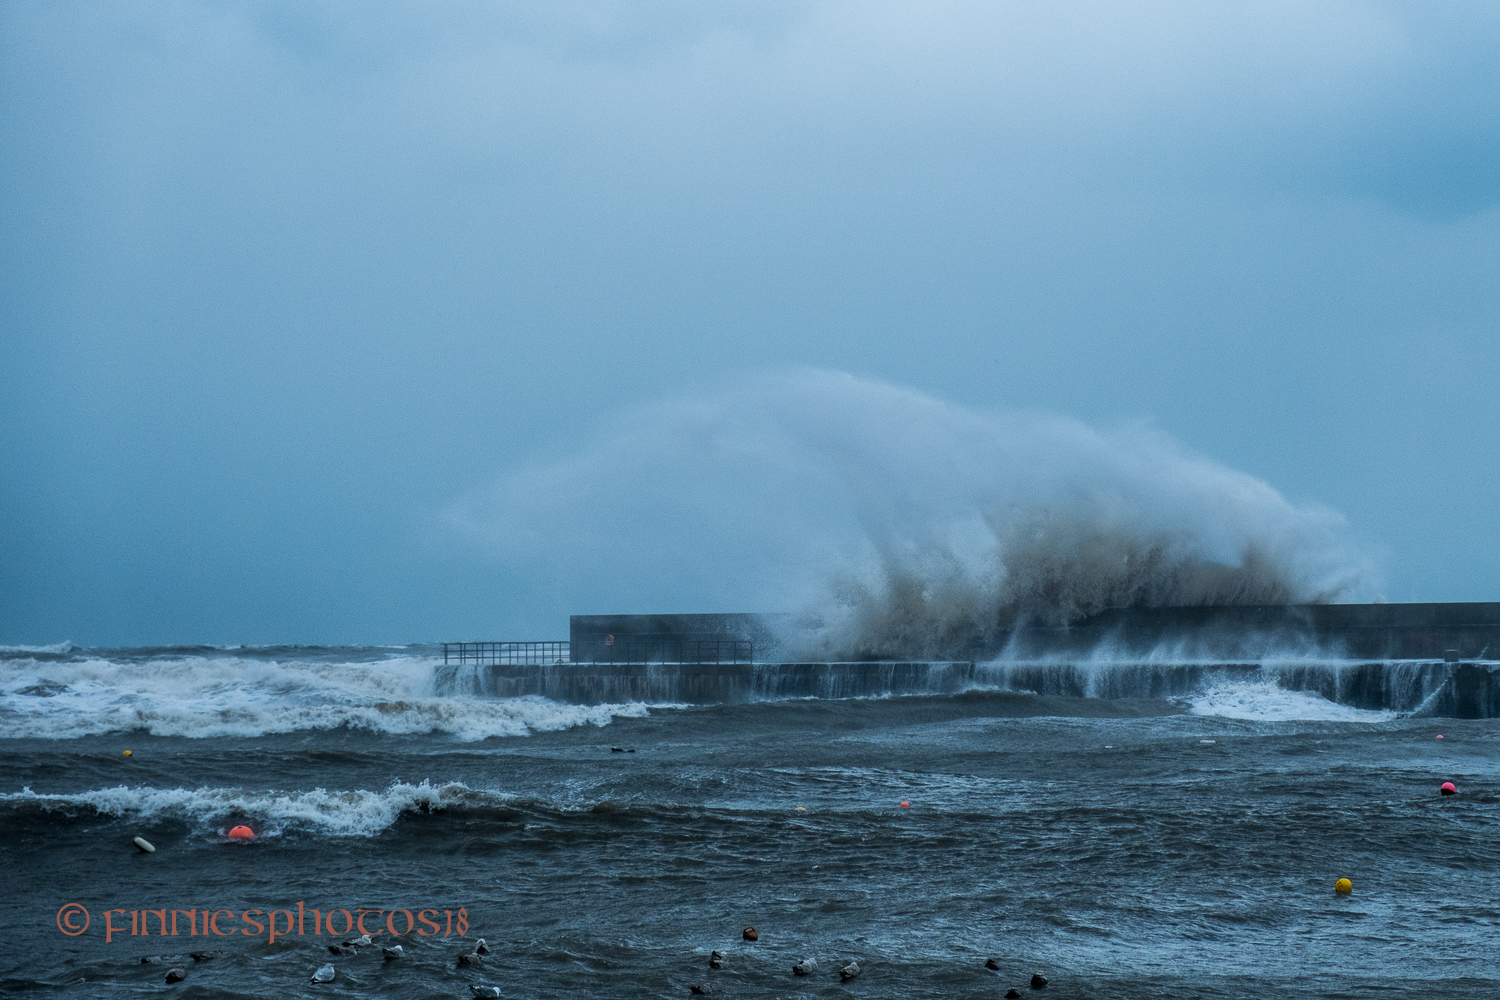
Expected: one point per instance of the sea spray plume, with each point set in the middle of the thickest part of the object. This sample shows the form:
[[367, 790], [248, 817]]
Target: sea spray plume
[[1075, 522], [912, 526]]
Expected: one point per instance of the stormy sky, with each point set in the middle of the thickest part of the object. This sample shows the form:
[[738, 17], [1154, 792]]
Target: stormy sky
[[286, 285]]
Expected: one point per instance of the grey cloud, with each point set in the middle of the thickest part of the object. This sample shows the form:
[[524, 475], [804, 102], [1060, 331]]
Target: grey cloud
[[280, 276]]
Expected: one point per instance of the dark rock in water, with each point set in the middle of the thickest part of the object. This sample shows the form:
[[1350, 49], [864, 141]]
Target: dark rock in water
[[990, 963], [849, 971], [204, 956], [704, 988], [1038, 980], [151, 960], [616, 749], [481, 948], [395, 951], [342, 949], [806, 967], [750, 934], [716, 960], [631, 750], [471, 959], [484, 991], [1012, 994], [176, 975]]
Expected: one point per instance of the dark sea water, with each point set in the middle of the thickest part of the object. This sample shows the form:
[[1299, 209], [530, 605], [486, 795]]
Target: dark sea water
[[1101, 842]]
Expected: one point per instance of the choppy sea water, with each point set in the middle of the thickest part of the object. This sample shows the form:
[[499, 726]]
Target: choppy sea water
[[1103, 842]]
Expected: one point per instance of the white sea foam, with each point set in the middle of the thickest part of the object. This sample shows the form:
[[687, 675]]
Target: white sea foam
[[353, 813], [1264, 701], [249, 696]]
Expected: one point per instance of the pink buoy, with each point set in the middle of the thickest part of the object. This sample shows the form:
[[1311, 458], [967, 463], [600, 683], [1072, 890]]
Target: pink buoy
[[1449, 788]]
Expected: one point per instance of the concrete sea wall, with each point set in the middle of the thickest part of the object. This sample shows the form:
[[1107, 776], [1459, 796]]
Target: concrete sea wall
[[1452, 631], [1412, 658], [711, 683], [1417, 687]]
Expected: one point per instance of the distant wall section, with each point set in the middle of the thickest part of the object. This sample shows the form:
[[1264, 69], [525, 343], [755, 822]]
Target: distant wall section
[[1450, 631]]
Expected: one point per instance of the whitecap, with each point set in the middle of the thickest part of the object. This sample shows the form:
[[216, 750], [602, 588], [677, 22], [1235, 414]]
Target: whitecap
[[349, 813], [57, 648], [1264, 701], [220, 696]]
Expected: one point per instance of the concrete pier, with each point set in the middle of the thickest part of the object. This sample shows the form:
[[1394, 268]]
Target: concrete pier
[[718, 683], [1437, 659], [1465, 689], [1454, 631]]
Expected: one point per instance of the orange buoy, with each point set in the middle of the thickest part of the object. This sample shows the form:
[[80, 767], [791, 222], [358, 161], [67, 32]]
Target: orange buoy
[[906, 805], [241, 833]]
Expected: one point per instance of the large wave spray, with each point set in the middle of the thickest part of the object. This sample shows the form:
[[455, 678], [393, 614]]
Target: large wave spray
[[911, 526]]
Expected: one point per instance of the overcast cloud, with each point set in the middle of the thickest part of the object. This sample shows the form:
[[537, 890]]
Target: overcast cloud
[[285, 282]]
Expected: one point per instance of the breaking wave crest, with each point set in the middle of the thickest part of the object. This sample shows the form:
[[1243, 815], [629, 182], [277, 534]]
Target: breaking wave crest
[[911, 527], [354, 813], [56, 648], [246, 695]]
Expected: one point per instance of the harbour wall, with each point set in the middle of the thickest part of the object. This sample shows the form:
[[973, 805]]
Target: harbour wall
[[709, 683], [1466, 689], [1429, 658], [1446, 631]]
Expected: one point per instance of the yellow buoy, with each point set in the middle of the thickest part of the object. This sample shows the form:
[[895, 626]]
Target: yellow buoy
[[802, 809], [128, 753], [1343, 885]]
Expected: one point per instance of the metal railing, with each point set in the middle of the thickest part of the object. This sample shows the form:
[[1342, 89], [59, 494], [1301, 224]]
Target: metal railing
[[509, 654]]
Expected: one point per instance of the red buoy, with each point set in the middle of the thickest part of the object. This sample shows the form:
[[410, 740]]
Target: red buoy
[[241, 833], [906, 805], [1449, 788]]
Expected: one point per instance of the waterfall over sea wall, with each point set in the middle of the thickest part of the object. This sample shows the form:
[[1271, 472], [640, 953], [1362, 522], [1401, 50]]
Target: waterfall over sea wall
[[1467, 690], [708, 683], [1413, 687]]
